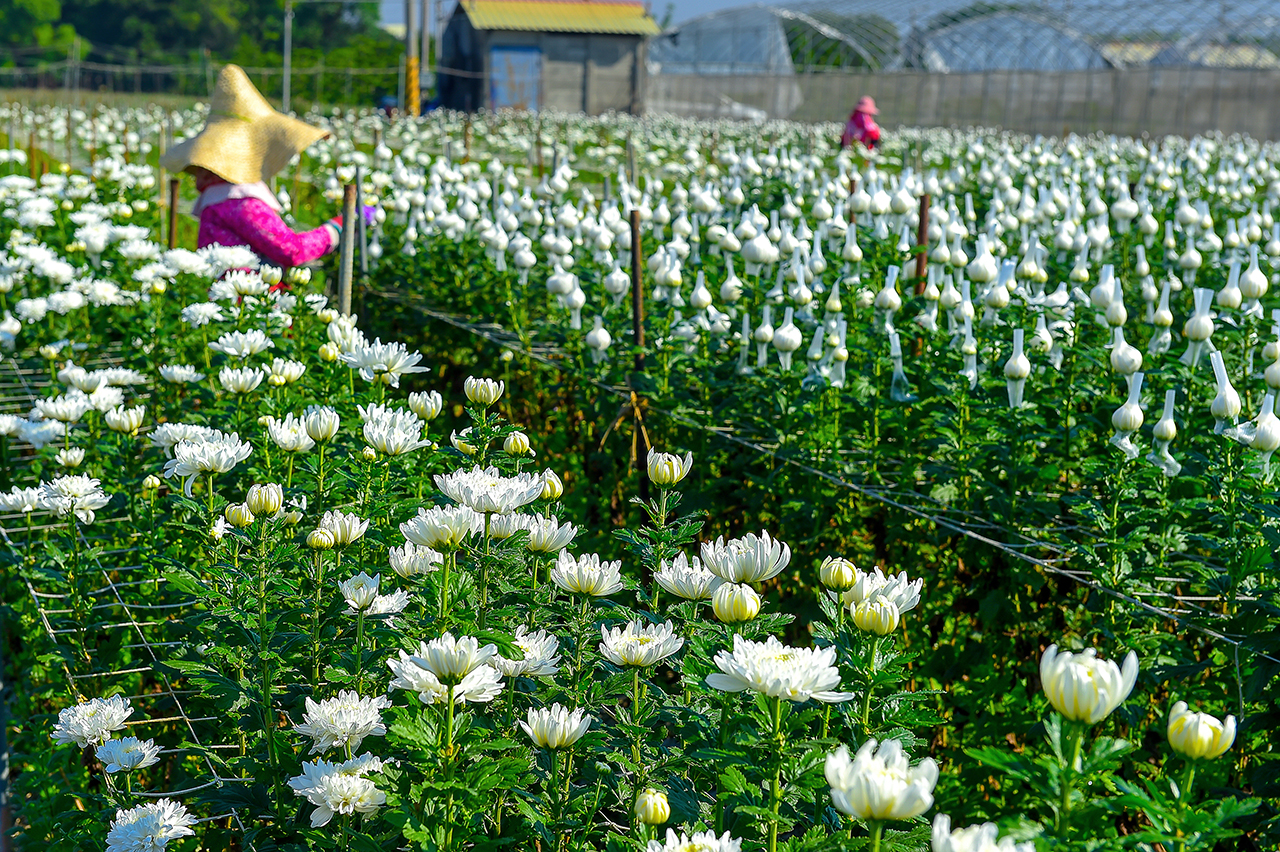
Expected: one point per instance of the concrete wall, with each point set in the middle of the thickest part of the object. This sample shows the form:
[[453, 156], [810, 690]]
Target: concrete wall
[[1157, 101]]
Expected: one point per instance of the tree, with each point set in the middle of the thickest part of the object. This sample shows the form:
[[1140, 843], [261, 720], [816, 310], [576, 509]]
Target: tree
[[33, 24]]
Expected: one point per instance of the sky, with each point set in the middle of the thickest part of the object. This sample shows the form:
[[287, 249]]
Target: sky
[[393, 10]]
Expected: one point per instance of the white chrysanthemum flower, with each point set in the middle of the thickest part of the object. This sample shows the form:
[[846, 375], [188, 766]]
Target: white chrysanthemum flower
[[639, 644], [547, 535], [451, 659], [488, 490], [779, 671], [502, 527], [70, 457], [127, 754], [1083, 688], [383, 362], [973, 838], [668, 469], [392, 604], [345, 527], [481, 684], [750, 559], [880, 784], [125, 420], [75, 494], [586, 574], [360, 591], [442, 527], [285, 372], [242, 344], [1199, 736], [339, 788], [202, 313], [412, 560], [216, 455], [149, 827], [180, 374], [540, 657], [344, 721], [64, 409], [91, 722], [21, 500], [426, 405], [166, 436], [394, 440], [904, 593], [321, 422], [240, 380], [555, 727], [290, 434], [483, 392], [703, 841], [685, 578]]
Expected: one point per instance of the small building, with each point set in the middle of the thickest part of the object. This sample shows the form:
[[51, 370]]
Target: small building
[[569, 55]]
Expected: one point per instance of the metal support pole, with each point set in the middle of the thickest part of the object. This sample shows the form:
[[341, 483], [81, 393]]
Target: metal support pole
[[347, 248], [288, 54], [173, 213], [922, 242]]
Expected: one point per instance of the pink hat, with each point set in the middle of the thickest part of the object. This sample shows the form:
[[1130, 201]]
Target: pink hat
[[866, 104]]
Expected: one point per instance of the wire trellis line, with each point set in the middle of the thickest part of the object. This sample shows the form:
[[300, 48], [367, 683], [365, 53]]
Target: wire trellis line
[[554, 358]]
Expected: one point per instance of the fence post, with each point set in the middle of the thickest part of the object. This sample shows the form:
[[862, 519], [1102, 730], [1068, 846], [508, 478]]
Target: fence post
[[173, 212], [922, 240], [360, 223], [637, 327], [347, 248]]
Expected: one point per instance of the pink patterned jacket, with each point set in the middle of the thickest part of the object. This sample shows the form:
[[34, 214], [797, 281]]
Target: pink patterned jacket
[[249, 215]]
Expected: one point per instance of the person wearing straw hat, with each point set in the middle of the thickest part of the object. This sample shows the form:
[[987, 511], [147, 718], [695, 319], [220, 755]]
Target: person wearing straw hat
[[244, 143], [861, 126]]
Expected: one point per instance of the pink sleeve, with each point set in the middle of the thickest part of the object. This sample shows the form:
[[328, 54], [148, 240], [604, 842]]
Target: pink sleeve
[[259, 227]]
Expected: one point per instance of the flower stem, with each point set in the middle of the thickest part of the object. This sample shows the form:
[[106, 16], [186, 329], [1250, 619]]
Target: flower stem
[[1068, 777], [444, 584], [775, 786], [877, 828], [866, 699]]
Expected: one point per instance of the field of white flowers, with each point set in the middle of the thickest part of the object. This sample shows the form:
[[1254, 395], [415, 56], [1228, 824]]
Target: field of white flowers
[[957, 530]]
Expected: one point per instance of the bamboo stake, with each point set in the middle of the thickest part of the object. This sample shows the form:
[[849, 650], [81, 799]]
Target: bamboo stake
[[347, 248], [173, 213]]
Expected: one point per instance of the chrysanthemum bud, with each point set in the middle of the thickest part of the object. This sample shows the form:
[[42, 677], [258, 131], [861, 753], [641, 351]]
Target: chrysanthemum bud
[[516, 444], [483, 392], [327, 315], [271, 275], [265, 499], [837, 573], [735, 602], [320, 540], [552, 487], [329, 352], [151, 483], [238, 515], [877, 614], [667, 469], [369, 454], [293, 517], [652, 807], [1199, 736]]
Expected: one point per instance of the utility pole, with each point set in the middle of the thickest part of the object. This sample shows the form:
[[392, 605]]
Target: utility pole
[[412, 91], [425, 59], [288, 53]]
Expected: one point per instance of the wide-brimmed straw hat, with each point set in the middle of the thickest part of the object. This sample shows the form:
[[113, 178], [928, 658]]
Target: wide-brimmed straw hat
[[244, 140], [866, 104]]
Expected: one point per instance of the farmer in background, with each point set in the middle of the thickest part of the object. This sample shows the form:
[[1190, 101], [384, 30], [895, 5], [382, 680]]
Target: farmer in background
[[244, 143], [861, 126]]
